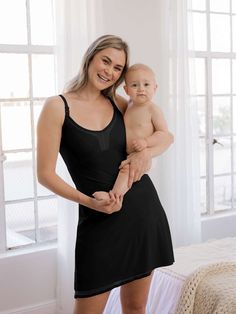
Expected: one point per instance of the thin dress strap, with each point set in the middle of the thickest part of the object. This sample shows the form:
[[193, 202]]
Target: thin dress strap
[[67, 109]]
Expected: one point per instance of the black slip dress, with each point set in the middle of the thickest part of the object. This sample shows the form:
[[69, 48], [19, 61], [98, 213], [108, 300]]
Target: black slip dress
[[112, 249]]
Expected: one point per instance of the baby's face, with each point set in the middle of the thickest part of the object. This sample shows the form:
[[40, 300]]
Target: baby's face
[[140, 85]]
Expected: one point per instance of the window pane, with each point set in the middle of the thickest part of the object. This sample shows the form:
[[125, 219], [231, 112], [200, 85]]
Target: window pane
[[223, 195], [203, 196], [198, 4], [220, 6], [202, 157], [234, 6], [221, 76], [41, 33], [197, 76], [222, 156], [234, 193], [234, 147], [234, 76], [13, 29], [16, 125], [47, 210], [37, 107], [43, 75], [201, 105], [20, 224], [14, 78], [220, 32], [197, 31], [234, 114], [18, 176], [234, 32], [221, 115]]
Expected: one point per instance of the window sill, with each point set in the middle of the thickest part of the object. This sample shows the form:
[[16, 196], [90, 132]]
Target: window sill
[[34, 248], [231, 213]]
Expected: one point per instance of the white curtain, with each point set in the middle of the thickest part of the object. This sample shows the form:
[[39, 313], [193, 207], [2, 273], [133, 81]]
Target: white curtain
[[72, 37], [179, 184]]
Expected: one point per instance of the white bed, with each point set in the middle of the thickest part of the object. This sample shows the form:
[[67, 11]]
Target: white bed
[[167, 283]]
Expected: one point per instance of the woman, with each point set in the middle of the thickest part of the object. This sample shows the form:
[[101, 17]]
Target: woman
[[113, 247]]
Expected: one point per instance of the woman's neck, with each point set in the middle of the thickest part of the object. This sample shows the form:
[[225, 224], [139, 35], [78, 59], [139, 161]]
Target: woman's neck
[[88, 93]]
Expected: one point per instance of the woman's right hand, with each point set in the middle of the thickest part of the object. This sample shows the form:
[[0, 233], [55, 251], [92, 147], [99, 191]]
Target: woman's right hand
[[110, 206]]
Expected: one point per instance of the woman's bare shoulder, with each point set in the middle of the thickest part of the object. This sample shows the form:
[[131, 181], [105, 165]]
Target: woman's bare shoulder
[[121, 103], [53, 108], [53, 101]]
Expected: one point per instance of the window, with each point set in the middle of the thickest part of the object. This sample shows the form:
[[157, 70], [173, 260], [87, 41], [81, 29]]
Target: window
[[28, 212], [213, 23]]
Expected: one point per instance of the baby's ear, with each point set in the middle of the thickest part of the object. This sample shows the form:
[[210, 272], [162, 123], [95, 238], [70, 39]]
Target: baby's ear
[[156, 87]]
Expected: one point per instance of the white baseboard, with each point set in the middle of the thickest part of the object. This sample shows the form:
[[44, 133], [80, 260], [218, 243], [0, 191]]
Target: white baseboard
[[48, 307]]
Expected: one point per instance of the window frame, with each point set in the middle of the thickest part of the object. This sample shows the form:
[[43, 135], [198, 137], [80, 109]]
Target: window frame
[[29, 49], [209, 136]]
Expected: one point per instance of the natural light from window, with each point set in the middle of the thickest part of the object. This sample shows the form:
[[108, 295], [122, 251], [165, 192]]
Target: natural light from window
[[27, 77], [213, 23]]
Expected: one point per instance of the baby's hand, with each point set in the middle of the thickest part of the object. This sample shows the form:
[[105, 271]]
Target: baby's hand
[[100, 195], [118, 198], [139, 144]]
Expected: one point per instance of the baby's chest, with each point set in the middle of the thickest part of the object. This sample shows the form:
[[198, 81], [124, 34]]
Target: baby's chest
[[138, 121]]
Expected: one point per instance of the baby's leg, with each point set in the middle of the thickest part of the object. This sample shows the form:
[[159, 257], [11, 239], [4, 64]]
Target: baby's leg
[[121, 185]]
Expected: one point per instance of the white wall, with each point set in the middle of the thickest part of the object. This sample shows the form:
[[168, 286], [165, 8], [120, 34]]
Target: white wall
[[28, 281], [220, 226], [135, 22]]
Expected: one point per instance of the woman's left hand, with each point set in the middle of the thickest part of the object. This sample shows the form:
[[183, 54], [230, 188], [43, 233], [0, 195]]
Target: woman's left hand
[[139, 163]]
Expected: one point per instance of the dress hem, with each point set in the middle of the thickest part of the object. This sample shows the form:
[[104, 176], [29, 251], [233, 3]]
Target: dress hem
[[93, 292]]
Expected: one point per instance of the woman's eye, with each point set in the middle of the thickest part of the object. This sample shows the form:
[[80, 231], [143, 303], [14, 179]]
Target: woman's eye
[[118, 69], [105, 61]]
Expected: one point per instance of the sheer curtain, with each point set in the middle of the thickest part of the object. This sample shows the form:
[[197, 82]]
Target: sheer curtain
[[180, 173], [72, 36]]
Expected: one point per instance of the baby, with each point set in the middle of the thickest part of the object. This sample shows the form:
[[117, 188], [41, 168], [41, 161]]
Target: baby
[[142, 119]]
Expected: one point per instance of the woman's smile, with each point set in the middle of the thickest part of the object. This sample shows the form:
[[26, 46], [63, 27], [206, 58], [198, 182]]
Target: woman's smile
[[103, 78]]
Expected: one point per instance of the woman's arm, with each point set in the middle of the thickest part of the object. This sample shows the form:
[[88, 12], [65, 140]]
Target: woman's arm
[[49, 137]]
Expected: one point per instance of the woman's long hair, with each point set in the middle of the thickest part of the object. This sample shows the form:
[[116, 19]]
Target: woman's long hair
[[103, 42]]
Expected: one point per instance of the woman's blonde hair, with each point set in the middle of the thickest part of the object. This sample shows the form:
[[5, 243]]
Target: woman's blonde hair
[[101, 43]]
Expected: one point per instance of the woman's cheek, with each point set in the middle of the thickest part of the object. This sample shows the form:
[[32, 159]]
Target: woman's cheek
[[117, 76]]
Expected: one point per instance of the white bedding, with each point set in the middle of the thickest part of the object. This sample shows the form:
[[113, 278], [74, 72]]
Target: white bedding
[[167, 282]]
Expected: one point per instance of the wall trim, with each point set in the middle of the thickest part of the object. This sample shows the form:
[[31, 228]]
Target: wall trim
[[48, 307]]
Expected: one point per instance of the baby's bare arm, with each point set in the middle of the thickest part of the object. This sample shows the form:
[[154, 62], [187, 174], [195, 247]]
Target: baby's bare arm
[[139, 144], [161, 138]]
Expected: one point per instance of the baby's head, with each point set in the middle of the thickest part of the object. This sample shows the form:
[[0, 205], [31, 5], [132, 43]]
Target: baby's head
[[140, 83]]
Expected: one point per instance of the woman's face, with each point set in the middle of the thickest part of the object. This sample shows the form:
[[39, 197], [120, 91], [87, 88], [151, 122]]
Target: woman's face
[[106, 68]]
